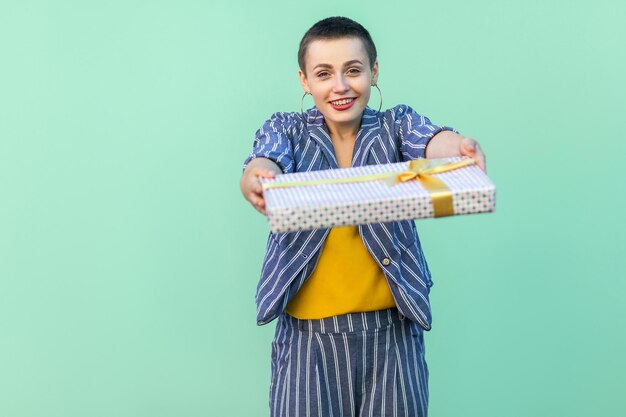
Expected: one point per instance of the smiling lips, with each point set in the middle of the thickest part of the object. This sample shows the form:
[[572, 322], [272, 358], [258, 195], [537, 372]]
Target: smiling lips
[[342, 104]]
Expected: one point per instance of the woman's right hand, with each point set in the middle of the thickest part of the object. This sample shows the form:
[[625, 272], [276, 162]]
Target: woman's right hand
[[251, 186]]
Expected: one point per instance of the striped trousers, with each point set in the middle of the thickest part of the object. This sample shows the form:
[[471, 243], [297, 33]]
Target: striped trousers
[[358, 364]]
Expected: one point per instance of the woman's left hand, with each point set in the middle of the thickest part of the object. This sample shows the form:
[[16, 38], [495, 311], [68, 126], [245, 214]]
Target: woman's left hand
[[469, 147], [448, 144]]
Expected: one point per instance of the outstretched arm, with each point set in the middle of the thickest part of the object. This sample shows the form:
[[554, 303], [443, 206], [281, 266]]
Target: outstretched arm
[[447, 144], [250, 184]]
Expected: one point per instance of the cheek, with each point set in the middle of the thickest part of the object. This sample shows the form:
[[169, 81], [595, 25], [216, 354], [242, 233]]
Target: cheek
[[362, 85], [366, 92], [317, 99], [319, 93]]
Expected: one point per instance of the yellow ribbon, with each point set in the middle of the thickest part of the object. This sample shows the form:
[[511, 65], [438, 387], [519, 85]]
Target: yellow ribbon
[[423, 170], [419, 169]]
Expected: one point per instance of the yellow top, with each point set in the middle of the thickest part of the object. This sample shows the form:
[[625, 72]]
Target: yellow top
[[346, 280]]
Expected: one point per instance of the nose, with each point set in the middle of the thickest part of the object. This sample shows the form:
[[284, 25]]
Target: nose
[[340, 85]]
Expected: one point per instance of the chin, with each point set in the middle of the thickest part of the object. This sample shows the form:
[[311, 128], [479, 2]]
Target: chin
[[351, 115]]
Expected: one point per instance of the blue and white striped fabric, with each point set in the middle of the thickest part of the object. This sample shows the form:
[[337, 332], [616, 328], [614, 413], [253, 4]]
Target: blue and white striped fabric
[[298, 143], [358, 364]]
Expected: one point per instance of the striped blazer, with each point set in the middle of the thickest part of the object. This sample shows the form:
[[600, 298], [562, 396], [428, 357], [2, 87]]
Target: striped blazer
[[301, 142]]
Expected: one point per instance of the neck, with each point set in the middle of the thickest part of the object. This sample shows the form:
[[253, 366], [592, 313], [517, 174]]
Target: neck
[[347, 131]]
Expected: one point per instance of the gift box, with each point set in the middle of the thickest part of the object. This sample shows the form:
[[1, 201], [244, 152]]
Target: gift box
[[424, 188]]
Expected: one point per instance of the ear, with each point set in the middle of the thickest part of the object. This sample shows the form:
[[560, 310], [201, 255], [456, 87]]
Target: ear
[[375, 73], [303, 82]]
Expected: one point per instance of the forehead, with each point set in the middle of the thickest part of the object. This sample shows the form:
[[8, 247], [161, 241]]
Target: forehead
[[335, 52]]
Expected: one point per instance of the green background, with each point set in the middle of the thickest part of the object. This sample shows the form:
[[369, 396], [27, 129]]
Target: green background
[[129, 260]]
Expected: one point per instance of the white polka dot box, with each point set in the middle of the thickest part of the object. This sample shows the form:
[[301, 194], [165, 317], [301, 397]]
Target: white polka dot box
[[296, 208]]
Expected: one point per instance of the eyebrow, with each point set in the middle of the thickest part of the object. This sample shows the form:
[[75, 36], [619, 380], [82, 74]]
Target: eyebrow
[[346, 64], [354, 61]]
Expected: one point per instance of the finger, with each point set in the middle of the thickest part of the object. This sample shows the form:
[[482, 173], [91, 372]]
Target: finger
[[255, 180], [256, 172], [260, 207], [253, 199], [480, 160], [269, 174], [257, 202], [472, 149], [264, 173], [481, 155], [468, 147]]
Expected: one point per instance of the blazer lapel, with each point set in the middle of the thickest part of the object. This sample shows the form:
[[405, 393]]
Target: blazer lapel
[[319, 133], [369, 133]]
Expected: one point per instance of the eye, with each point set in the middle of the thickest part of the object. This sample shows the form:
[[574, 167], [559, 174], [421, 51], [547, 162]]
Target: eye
[[353, 71], [323, 74]]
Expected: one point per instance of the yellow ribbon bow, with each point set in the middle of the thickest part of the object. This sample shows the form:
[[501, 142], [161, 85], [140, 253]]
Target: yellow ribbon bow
[[422, 170]]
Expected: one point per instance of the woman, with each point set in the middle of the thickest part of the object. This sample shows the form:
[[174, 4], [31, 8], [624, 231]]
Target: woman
[[351, 302]]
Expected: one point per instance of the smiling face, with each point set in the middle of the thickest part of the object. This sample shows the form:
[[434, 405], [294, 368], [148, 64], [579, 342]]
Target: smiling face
[[339, 77]]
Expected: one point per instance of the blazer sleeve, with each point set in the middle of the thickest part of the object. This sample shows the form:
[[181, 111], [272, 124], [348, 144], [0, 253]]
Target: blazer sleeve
[[274, 141], [413, 132]]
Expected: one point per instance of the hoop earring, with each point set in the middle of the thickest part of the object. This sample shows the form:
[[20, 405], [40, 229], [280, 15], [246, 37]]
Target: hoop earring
[[380, 105], [302, 103]]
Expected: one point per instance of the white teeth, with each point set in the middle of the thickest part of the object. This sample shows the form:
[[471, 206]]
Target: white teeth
[[342, 102]]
